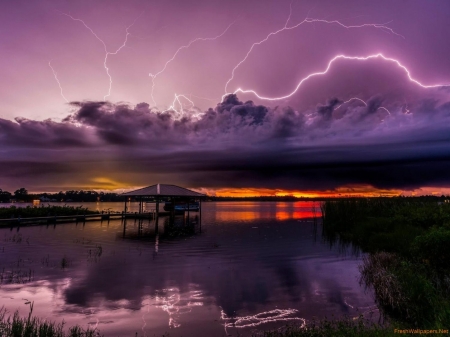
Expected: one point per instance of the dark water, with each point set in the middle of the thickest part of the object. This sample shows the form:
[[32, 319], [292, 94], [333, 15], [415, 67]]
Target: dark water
[[249, 266]]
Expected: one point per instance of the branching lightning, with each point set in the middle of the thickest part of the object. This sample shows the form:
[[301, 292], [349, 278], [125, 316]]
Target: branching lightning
[[177, 100], [180, 104], [174, 303], [107, 53], [154, 76], [57, 80], [330, 63], [306, 20], [181, 101], [275, 315]]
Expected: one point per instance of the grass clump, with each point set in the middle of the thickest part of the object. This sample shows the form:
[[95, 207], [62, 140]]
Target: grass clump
[[407, 292], [409, 262]]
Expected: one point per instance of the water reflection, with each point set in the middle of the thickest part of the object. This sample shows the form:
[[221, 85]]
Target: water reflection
[[175, 303], [276, 315], [246, 272], [247, 211], [161, 228]]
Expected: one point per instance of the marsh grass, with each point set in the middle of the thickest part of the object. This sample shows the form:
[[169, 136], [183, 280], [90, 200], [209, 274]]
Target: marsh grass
[[346, 326], [64, 262], [406, 291], [16, 276], [94, 254], [43, 211], [16, 326], [16, 238], [382, 224], [409, 263]]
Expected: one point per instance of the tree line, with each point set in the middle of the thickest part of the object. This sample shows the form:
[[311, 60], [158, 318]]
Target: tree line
[[79, 196], [92, 196]]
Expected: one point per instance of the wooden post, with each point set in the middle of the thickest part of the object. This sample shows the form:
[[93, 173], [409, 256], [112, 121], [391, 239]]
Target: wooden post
[[125, 207], [172, 210], [157, 210], [188, 206], [200, 213], [124, 226], [156, 226]]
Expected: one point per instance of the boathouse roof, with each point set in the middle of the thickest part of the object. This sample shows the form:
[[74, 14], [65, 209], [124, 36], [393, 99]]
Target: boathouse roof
[[164, 190]]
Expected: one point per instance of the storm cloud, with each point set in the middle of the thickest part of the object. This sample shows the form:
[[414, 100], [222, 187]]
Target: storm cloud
[[236, 144]]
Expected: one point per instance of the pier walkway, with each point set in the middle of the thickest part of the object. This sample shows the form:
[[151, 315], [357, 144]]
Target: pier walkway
[[77, 218]]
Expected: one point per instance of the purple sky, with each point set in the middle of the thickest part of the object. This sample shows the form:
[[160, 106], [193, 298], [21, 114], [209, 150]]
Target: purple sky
[[397, 139]]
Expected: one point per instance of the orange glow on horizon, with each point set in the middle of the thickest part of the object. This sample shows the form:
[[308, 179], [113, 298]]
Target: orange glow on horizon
[[340, 192], [347, 191]]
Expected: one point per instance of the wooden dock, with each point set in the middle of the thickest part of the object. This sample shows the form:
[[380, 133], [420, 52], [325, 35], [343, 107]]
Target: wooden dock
[[77, 218]]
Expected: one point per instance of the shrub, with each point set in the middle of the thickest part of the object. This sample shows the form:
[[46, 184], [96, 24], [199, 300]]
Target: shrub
[[433, 248]]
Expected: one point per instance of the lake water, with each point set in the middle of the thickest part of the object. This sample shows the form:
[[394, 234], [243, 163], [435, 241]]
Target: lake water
[[248, 266]]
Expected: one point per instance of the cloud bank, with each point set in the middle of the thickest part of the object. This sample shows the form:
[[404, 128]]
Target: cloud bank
[[237, 144]]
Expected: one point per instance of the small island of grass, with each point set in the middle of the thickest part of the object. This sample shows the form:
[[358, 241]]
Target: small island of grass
[[42, 211]]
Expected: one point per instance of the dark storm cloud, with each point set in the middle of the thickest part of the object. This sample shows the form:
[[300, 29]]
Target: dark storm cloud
[[29, 133], [238, 144], [327, 109]]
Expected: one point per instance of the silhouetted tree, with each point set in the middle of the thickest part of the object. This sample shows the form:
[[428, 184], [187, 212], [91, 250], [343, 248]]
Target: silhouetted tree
[[5, 196], [21, 194]]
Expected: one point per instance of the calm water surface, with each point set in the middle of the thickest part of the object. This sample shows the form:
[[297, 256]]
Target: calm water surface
[[248, 266]]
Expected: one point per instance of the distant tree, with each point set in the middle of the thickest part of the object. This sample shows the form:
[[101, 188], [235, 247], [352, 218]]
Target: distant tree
[[21, 193], [5, 196]]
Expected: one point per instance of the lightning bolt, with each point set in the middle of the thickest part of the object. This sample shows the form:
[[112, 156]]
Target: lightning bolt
[[330, 63], [107, 53], [143, 317], [56, 78], [351, 99], [383, 108], [381, 26], [405, 109], [180, 104], [203, 98], [363, 102], [154, 76], [275, 315], [306, 20]]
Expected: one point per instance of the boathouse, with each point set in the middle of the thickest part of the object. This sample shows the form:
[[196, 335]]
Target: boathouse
[[165, 192]]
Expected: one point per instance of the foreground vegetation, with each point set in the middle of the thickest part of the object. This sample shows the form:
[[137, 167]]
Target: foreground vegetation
[[409, 262], [347, 327], [17, 326], [42, 211]]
